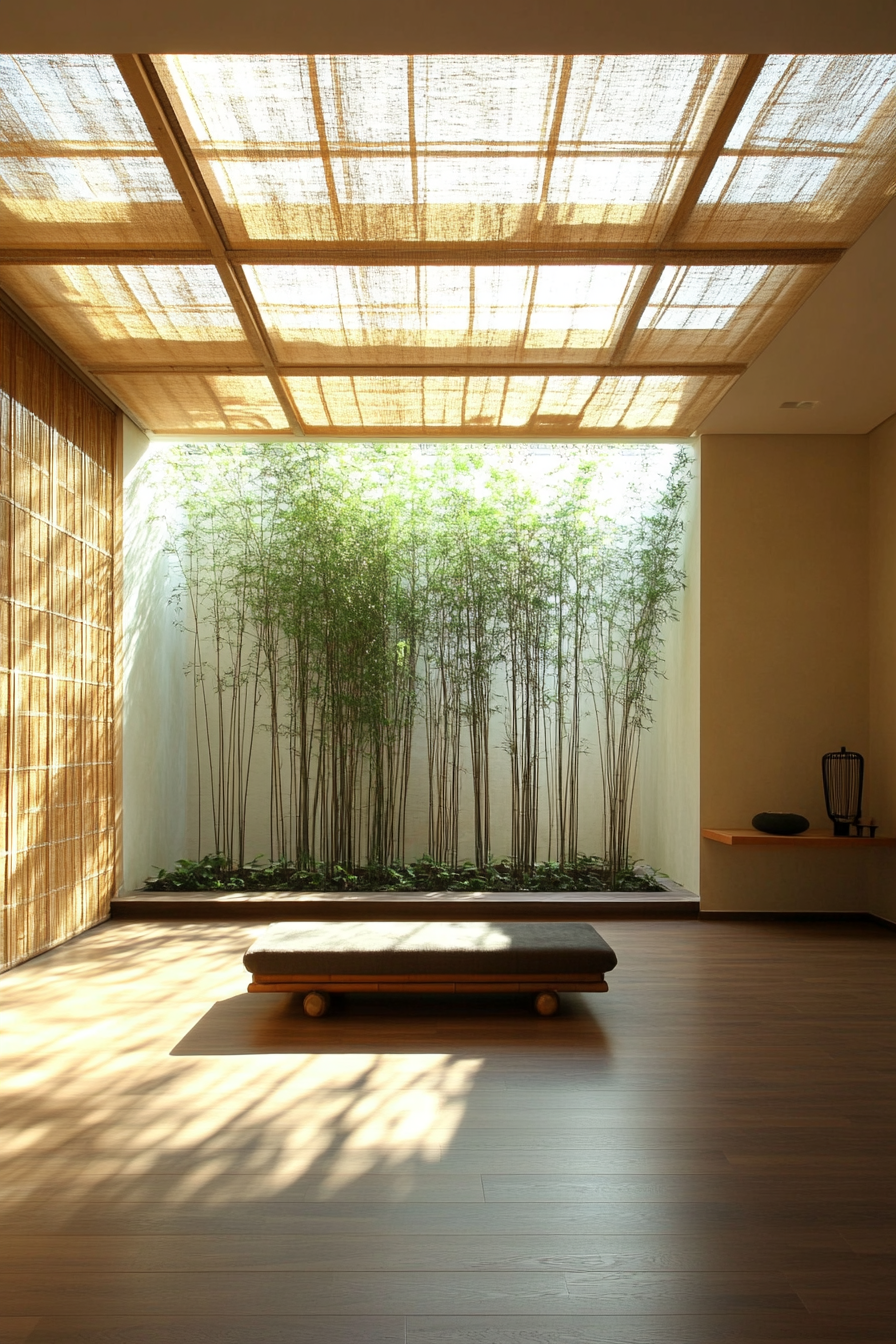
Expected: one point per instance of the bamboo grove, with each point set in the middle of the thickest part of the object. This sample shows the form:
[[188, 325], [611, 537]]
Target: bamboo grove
[[369, 606]]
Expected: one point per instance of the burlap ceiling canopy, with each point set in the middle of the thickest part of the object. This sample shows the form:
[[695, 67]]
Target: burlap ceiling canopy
[[431, 245]]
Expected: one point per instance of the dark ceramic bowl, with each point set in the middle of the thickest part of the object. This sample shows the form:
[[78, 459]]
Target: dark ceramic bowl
[[780, 823]]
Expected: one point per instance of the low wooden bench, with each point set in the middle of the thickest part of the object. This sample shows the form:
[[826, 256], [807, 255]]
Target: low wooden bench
[[324, 958]]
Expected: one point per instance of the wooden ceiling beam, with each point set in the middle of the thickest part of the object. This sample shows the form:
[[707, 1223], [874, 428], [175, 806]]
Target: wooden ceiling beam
[[734, 105], [136, 71], [237, 370], [104, 256], [425, 254], [544, 369], [636, 312], [538, 432], [540, 370], [731, 110]]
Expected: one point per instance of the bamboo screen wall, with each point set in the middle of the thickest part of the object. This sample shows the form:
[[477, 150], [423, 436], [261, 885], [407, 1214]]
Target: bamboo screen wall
[[57, 650]]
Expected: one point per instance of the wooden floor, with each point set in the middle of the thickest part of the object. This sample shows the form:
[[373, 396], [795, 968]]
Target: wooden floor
[[705, 1155]]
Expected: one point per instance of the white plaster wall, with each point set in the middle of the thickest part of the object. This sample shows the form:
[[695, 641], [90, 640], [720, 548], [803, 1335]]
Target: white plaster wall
[[666, 822], [200, 837], [154, 687], [665, 831]]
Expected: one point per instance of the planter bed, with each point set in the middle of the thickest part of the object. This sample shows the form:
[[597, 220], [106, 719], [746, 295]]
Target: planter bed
[[671, 902]]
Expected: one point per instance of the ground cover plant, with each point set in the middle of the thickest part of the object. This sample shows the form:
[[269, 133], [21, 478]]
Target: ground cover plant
[[215, 872], [355, 602]]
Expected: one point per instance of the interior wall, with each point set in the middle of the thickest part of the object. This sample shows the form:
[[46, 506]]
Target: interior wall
[[785, 650], [882, 657], [666, 824], [784, 664], [154, 720]]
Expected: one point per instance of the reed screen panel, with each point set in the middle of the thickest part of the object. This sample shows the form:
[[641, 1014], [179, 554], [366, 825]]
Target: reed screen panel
[[463, 314], [698, 314], [57, 654], [559, 403], [132, 315], [446, 148], [208, 402], [77, 164], [277, 243], [810, 159]]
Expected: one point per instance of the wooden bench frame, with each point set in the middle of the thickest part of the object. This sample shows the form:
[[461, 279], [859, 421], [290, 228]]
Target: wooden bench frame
[[317, 989]]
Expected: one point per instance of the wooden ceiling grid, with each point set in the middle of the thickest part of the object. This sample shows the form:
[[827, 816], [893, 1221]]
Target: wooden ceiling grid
[[309, 391]]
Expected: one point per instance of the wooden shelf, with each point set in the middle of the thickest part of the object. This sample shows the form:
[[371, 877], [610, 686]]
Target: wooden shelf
[[813, 839]]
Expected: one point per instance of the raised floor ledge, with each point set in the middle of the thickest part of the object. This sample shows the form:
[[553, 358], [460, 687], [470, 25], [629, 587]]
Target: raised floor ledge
[[674, 903]]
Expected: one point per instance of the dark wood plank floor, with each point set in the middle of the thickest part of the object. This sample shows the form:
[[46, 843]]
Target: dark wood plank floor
[[705, 1155]]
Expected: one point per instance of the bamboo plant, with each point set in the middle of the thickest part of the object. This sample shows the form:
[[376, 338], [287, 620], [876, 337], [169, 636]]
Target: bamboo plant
[[346, 599]]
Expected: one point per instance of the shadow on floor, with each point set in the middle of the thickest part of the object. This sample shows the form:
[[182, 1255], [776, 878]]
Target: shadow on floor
[[259, 1024]]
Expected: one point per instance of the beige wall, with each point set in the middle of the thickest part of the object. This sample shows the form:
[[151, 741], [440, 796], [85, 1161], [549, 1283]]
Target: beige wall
[[882, 656], [784, 657]]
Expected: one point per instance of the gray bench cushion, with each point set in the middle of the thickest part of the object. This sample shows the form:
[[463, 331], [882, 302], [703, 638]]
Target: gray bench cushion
[[435, 948]]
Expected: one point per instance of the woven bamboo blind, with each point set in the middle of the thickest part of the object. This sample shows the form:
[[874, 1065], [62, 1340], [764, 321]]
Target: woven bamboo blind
[[461, 314], [559, 403], [446, 147], [132, 314], [208, 402], [57, 715], [335, 243], [811, 157], [77, 164]]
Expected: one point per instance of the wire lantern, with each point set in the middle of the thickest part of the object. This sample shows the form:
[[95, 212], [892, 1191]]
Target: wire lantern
[[843, 773]]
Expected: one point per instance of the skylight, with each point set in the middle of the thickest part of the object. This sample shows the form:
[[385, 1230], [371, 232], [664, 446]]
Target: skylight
[[431, 244], [460, 147]]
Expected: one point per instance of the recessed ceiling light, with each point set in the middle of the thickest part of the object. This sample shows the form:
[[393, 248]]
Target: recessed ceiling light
[[798, 405]]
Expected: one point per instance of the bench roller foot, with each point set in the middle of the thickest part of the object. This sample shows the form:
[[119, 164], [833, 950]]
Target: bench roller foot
[[546, 1003], [316, 1003]]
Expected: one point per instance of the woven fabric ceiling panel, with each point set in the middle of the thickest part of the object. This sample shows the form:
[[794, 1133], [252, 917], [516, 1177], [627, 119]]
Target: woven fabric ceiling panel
[[202, 403], [132, 314], [811, 159], [77, 164], [536, 405], [444, 148], [439, 243], [706, 313], [456, 313]]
